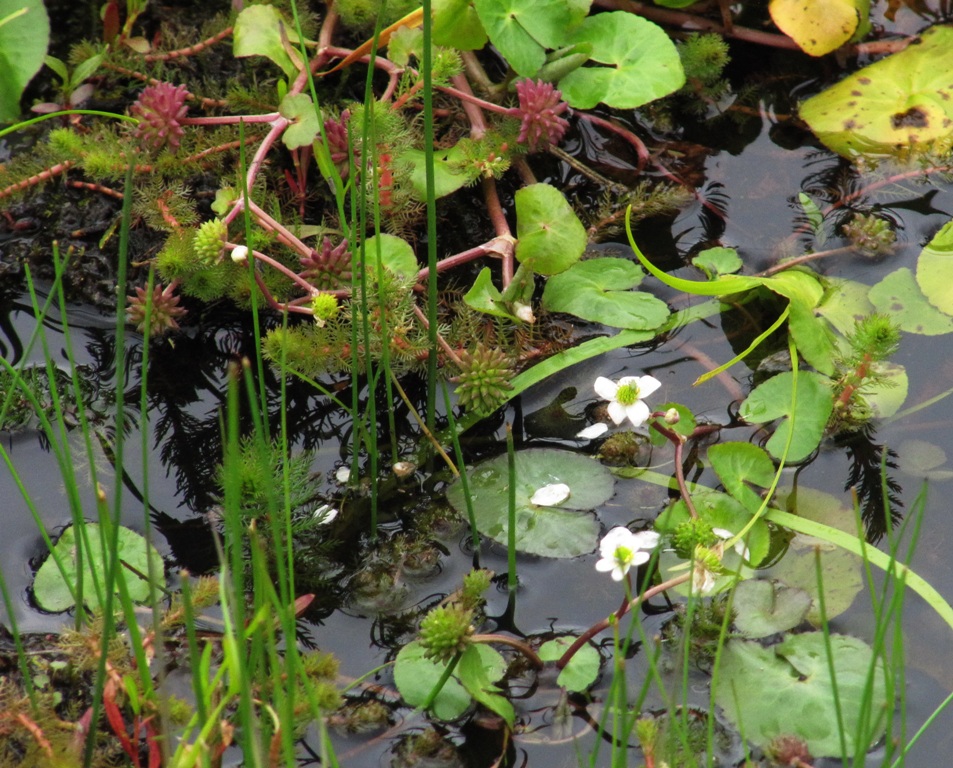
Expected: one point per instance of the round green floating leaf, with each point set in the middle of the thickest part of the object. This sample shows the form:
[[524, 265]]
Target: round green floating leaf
[[935, 270], [52, 592], [922, 459], [764, 608], [899, 296], [903, 101], [551, 237], [395, 254], [583, 667], [642, 63], [772, 400], [787, 689], [561, 531], [599, 290], [416, 676]]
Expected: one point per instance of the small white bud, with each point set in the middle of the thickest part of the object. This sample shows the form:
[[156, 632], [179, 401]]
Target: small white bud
[[524, 312], [672, 417], [240, 254], [324, 514], [343, 475], [404, 469]]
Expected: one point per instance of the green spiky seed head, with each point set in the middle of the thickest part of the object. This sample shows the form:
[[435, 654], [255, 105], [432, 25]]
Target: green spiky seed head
[[690, 534], [209, 239], [484, 379], [446, 631], [475, 584], [325, 307], [870, 234]]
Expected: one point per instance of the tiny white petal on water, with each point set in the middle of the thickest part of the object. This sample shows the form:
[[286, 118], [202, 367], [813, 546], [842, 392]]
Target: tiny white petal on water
[[592, 432], [550, 495]]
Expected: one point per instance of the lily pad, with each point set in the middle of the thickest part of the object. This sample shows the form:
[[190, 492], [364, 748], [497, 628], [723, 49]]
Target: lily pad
[[740, 464], [786, 689], [935, 269], [899, 102], [819, 26], [561, 531], [416, 676], [772, 400], [715, 262], [52, 592], [764, 608], [599, 290], [551, 237], [642, 63], [923, 459], [899, 296], [844, 303], [583, 667]]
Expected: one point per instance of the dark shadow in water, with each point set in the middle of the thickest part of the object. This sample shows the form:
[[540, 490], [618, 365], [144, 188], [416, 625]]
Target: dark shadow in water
[[878, 493]]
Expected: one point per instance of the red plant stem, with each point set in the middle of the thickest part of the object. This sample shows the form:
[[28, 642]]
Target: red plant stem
[[38, 178], [640, 149], [601, 626], [495, 211], [472, 107], [191, 50], [270, 117], [309, 289], [805, 258], [327, 28], [679, 442], [284, 235], [440, 340], [96, 188], [380, 62], [498, 246]]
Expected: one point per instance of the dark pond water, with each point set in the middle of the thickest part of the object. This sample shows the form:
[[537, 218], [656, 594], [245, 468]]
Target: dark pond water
[[748, 180]]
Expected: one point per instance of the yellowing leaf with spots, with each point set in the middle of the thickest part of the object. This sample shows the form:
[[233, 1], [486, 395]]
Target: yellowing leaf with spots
[[900, 104], [817, 26]]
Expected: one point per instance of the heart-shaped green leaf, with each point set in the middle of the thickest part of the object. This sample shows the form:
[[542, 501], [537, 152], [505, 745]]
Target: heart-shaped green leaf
[[457, 25], [258, 32], [522, 30], [599, 290], [558, 531], [583, 667], [787, 690], [642, 63], [305, 124], [394, 253], [737, 465], [899, 102], [772, 400], [53, 594], [486, 297], [551, 237]]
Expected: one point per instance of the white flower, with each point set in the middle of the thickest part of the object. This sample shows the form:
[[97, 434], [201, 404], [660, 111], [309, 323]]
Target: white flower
[[240, 254], [550, 495], [342, 475], [596, 430], [620, 549], [324, 514], [703, 579], [625, 398], [739, 547]]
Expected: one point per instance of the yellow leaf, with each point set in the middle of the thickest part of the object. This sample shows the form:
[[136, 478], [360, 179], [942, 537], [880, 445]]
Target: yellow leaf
[[817, 26]]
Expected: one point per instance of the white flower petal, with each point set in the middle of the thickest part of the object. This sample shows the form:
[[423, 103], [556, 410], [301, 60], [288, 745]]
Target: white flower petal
[[550, 495], [605, 388], [343, 475], [604, 565], [638, 413], [647, 385], [647, 540], [324, 514], [616, 412], [592, 432]]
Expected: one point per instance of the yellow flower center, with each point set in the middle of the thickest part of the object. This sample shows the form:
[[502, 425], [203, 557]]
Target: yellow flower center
[[623, 555], [627, 394]]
